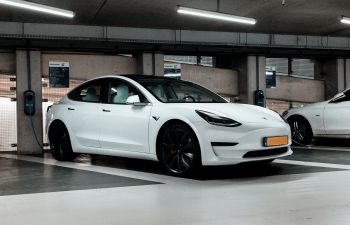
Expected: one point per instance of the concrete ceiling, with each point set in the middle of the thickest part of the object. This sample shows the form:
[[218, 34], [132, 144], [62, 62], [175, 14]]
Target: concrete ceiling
[[319, 17]]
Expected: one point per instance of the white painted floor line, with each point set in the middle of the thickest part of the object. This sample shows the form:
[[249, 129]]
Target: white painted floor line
[[101, 169], [316, 164], [323, 148]]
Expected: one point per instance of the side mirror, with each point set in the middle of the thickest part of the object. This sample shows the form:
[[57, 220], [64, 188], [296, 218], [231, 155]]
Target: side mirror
[[134, 100]]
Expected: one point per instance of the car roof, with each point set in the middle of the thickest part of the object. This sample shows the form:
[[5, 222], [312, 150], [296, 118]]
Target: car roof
[[137, 77]]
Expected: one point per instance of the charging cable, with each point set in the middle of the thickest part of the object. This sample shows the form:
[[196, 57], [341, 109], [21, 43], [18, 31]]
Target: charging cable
[[34, 132]]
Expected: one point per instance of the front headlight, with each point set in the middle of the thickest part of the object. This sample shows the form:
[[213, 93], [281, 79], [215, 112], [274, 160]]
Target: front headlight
[[217, 120]]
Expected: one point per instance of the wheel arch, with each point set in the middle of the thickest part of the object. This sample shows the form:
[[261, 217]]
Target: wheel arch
[[52, 124], [170, 122], [294, 116]]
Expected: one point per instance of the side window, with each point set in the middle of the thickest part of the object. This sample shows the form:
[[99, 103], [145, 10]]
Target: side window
[[89, 92], [119, 91], [347, 96]]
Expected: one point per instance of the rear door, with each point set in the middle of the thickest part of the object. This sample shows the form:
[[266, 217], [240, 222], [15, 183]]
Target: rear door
[[83, 113]]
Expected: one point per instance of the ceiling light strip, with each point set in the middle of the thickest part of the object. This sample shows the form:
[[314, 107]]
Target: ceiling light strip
[[38, 7], [215, 15]]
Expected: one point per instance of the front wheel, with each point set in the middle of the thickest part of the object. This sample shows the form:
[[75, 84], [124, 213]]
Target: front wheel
[[60, 144], [179, 151], [301, 131]]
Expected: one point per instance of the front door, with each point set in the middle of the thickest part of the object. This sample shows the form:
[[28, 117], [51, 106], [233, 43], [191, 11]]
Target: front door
[[124, 126], [337, 116]]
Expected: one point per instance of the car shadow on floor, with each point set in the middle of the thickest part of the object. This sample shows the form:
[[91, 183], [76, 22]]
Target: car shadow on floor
[[246, 170], [331, 142]]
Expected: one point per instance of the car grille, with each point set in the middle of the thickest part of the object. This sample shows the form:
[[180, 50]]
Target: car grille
[[267, 152]]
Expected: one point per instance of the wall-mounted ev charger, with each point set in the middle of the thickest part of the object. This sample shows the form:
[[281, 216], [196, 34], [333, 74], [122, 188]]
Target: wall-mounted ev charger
[[29, 110], [29, 102]]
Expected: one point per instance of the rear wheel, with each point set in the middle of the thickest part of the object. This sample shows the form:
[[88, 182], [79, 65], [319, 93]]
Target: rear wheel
[[301, 131], [178, 150], [60, 144]]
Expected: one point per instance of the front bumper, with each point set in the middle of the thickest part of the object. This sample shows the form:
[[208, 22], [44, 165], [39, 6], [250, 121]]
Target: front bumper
[[240, 144]]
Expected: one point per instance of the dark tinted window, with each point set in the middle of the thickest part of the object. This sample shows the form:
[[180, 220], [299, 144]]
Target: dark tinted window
[[347, 95], [119, 91], [89, 92], [345, 98], [177, 91]]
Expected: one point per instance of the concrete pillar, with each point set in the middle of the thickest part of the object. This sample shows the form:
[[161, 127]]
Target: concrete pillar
[[347, 74], [151, 63], [26, 143], [158, 64], [7, 62], [251, 73], [336, 74]]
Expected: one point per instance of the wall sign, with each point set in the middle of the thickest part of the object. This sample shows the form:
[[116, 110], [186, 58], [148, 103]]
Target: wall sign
[[58, 74], [172, 70]]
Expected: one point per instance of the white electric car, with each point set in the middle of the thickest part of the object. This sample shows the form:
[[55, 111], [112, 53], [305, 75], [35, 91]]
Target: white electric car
[[324, 119], [181, 124]]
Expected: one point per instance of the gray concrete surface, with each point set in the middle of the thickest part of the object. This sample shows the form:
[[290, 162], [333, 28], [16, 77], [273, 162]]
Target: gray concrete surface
[[297, 89], [26, 143], [150, 63], [87, 66], [222, 81], [7, 62]]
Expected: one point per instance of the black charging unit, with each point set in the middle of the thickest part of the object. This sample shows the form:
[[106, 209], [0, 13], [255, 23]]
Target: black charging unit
[[29, 102], [259, 98]]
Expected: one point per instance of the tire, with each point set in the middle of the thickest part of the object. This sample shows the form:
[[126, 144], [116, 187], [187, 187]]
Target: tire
[[301, 131], [60, 144], [179, 151]]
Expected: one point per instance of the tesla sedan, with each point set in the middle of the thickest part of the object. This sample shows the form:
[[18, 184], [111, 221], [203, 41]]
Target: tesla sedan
[[328, 119], [181, 124]]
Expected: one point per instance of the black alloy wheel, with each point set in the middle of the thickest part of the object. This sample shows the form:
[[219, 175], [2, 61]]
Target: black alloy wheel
[[179, 150], [301, 131], [60, 144]]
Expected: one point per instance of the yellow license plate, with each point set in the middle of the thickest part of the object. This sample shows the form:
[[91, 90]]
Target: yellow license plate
[[275, 141]]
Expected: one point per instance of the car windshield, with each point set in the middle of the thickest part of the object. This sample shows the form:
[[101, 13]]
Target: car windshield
[[177, 91]]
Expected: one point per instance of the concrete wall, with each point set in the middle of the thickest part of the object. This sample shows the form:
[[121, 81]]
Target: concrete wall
[[297, 90], [223, 81], [7, 62], [86, 66]]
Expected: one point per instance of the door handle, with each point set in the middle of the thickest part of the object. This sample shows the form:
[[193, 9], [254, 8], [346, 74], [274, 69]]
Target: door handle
[[71, 109], [106, 110]]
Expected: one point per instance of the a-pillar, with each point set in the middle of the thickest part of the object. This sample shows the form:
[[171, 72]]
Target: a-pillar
[[151, 63], [29, 78]]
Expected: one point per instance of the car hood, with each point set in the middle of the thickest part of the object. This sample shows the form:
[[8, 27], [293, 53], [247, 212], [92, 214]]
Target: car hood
[[309, 106], [241, 112]]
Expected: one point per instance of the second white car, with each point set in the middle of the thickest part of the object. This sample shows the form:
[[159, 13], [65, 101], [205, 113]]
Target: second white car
[[329, 119]]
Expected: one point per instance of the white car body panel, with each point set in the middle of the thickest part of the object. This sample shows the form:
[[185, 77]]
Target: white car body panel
[[337, 118], [134, 133], [125, 127]]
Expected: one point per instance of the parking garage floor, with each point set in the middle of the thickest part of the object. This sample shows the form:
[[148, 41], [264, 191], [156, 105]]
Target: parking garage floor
[[310, 187]]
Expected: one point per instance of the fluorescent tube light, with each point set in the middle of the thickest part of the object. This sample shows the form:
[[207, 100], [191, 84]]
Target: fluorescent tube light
[[344, 19], [215, 15], [38, 7]]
